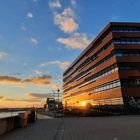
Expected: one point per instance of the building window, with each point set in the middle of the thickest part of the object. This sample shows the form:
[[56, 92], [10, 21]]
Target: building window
[[126, 29], [107, 86], [131, 82]]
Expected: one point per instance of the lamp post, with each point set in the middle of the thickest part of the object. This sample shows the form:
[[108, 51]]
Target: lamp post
[[58, 99], [54, 104], [54, 94]]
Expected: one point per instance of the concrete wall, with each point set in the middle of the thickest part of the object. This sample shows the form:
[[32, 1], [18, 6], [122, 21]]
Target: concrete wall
[[7, 124]]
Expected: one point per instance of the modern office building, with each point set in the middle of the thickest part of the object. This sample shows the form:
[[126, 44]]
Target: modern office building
[[107, 73]]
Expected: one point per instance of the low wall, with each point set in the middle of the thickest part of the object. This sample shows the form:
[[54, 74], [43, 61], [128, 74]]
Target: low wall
[[18, 120], [9, 123]]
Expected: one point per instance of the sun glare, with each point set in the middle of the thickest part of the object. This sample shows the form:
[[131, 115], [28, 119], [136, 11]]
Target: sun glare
[[83, 103]]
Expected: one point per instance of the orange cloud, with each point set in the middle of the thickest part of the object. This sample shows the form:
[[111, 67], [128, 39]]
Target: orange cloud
[[66, 21], [18, 103], [40, 80], [39, 95], [22, 100], [75, 41], [9, 79], [1, 97], [63, 65]]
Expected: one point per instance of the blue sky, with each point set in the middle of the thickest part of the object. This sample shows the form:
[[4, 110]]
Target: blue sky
[[40, 38]]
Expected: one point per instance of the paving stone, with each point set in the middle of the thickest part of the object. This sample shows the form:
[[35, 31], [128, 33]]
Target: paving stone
[[79, 128]]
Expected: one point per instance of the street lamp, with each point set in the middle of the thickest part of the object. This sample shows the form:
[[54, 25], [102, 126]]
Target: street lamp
[[58, 99], [54, 94]]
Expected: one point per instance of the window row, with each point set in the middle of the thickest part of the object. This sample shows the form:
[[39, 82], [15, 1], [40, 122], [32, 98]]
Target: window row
[[107, 58], [108, 86], [95, 56], [126, 55], [131, 82], [103, 73], [116, 41], [129, 68], [125, 29], [129, 65], [95, 77], [110, 101], [104, 87], [127, 40], [90, 59], [112, 29], [72, 87]]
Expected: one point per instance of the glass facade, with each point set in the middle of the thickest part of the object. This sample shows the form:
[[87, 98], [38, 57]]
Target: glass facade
[[108, 86]]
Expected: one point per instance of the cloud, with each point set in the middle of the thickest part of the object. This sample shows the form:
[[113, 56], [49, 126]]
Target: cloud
[[9, 79], [75, 41], [19, 103], [39, 95], [22, 100], [38, 72], [23, 27], [1, 97], [39, 80], [3, 55], [4, 98], [73, 2], [30, 15], [55, 4], [34, 41], [15, 73], [63, 65], [66, 21]]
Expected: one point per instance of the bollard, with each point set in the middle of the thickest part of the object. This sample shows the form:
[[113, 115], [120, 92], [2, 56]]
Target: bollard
[[23, 119]]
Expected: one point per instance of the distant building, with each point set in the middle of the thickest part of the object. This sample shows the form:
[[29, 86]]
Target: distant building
[[53, 105], [50, 104], [107, 73]]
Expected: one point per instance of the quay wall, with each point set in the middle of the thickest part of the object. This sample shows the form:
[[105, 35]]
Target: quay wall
[[9, 123]]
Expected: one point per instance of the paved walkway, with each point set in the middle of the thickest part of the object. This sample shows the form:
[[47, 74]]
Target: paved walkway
[[82, 128], [43, 129]]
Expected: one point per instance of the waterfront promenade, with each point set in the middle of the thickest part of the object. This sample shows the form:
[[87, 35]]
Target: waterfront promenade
[[79, 128]]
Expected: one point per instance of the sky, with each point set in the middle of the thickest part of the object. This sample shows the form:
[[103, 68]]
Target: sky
[[39, 39]]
